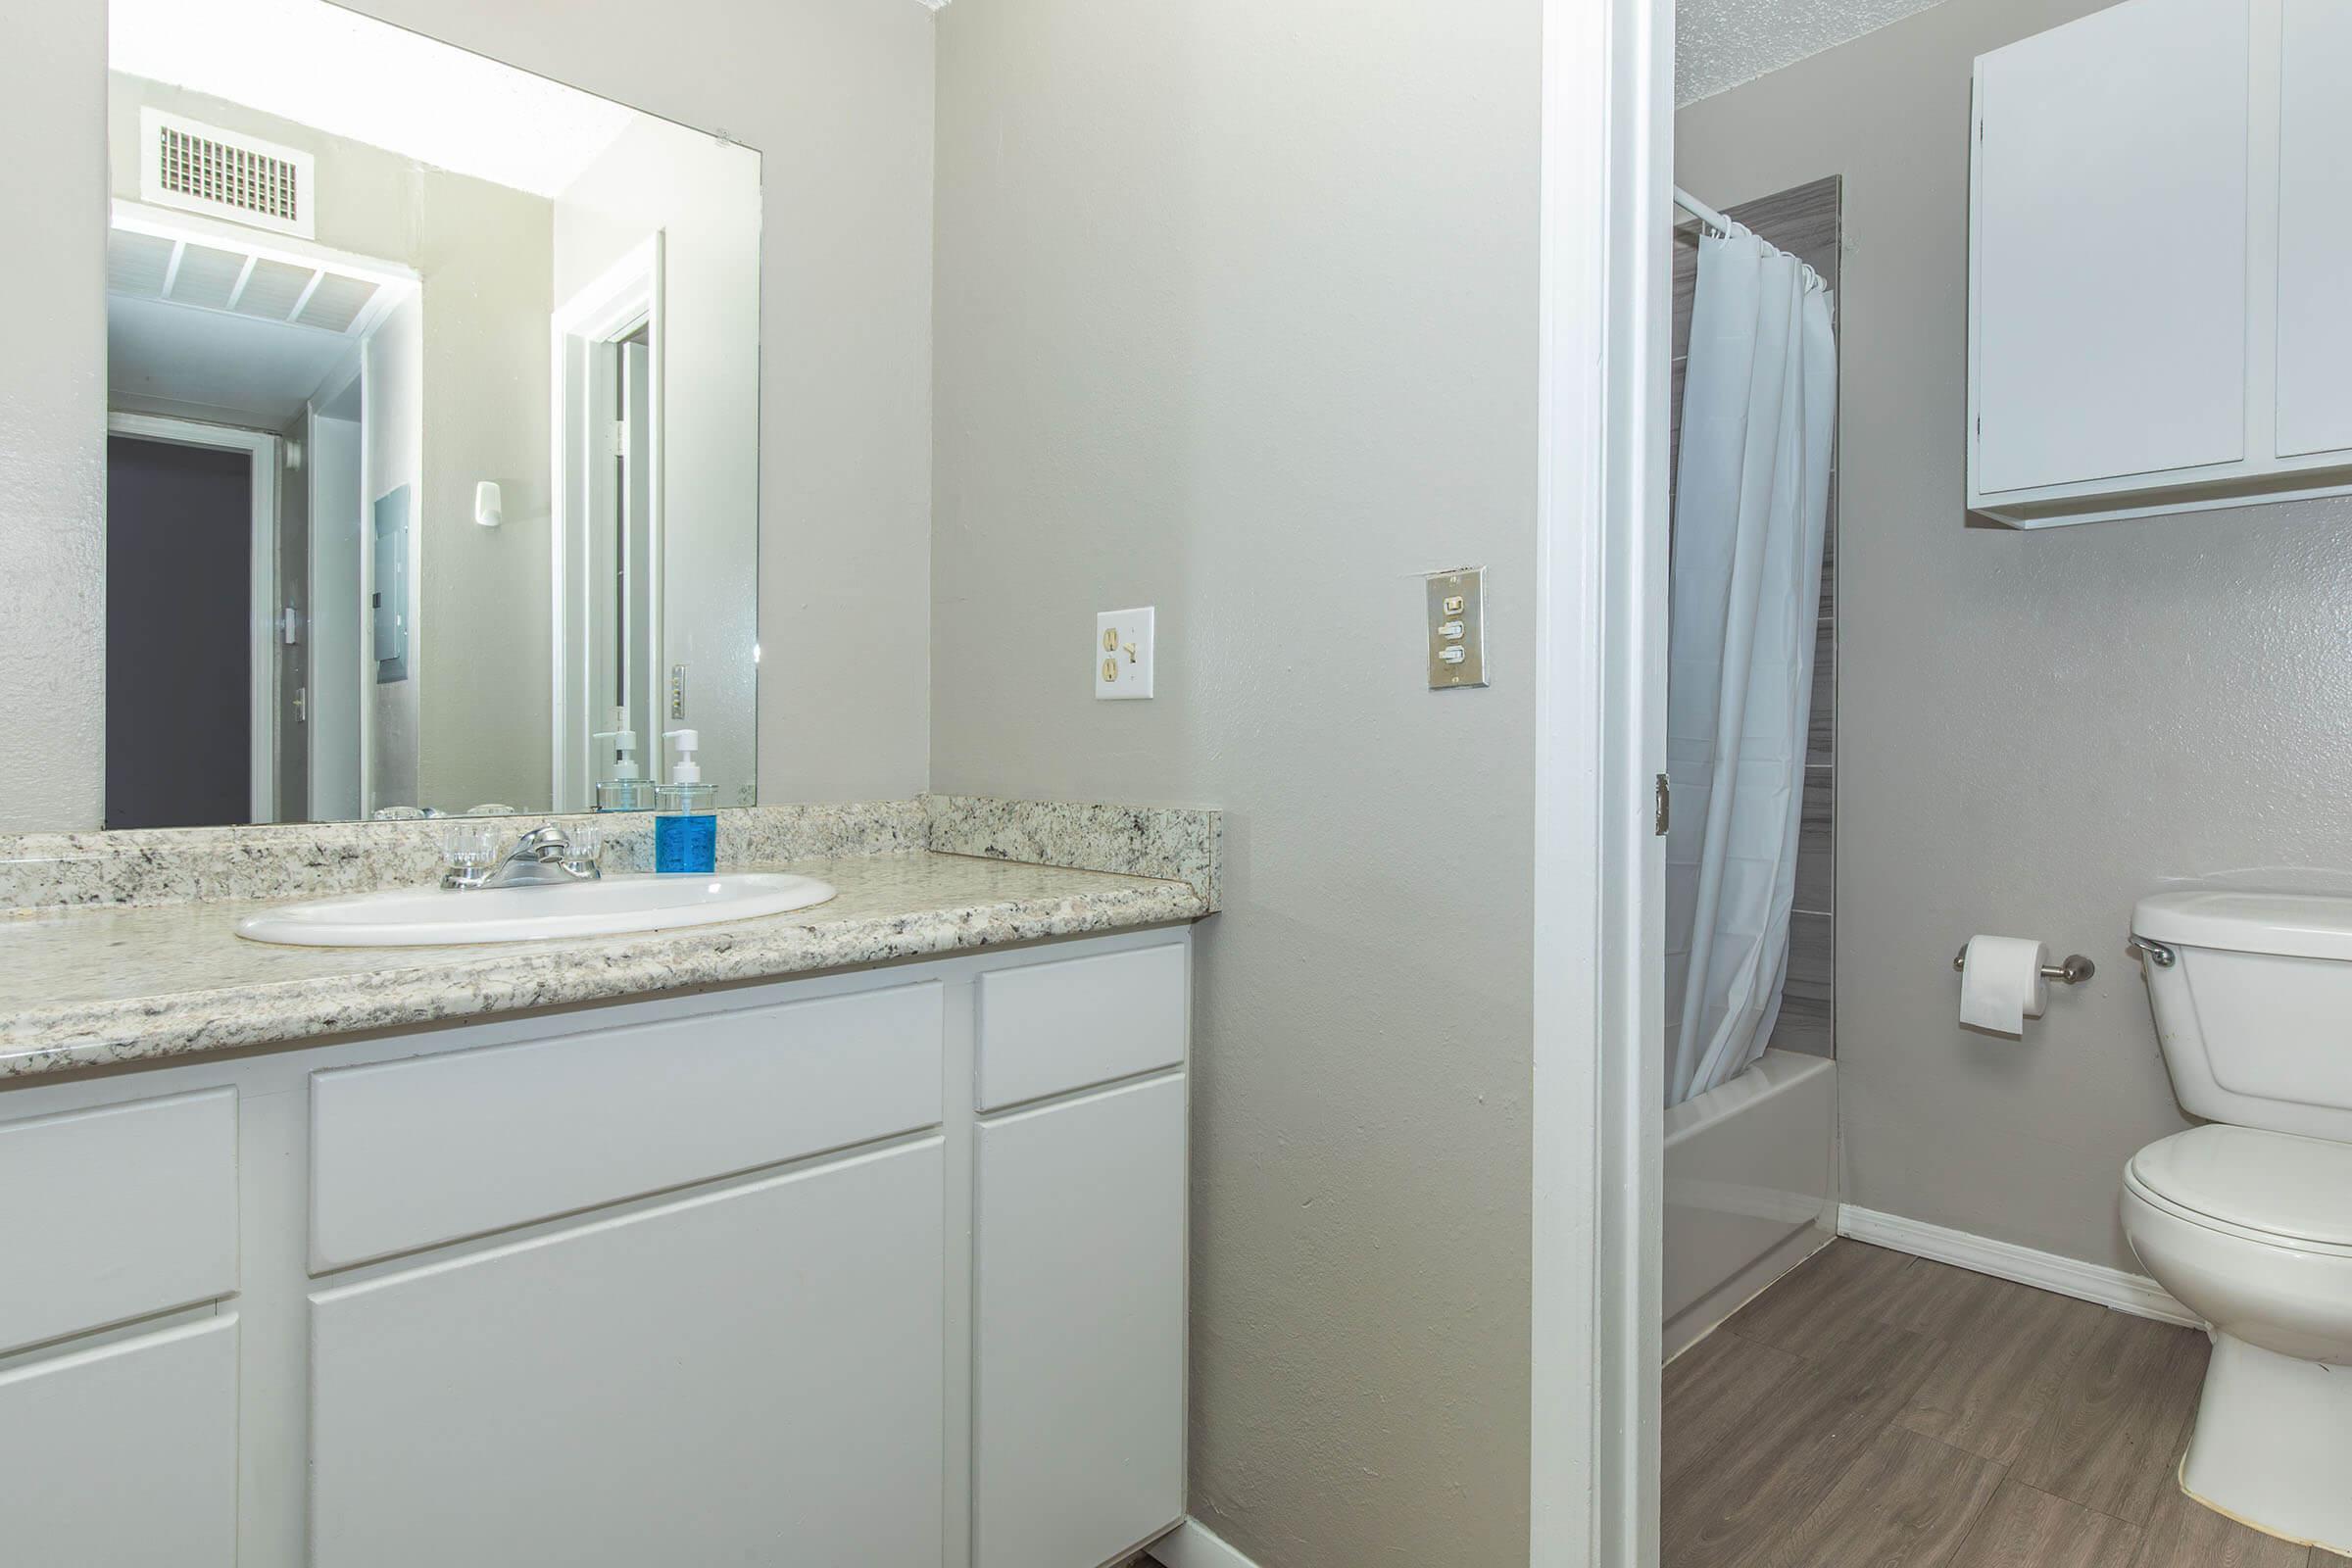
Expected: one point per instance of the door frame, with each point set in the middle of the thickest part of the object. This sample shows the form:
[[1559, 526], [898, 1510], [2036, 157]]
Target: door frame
[[357, 683], [1605, 290], [261, 450], [626, 295]]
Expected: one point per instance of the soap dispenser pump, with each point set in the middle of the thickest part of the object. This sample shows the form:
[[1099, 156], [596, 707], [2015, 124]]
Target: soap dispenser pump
[[624, 791], [686, 828]]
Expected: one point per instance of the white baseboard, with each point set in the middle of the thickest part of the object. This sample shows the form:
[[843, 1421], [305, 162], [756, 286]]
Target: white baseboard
[[1192, 1545], [2134, 1294]]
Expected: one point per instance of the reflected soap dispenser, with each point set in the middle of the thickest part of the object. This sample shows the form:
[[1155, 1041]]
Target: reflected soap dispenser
[[686, 823], [624, 791]]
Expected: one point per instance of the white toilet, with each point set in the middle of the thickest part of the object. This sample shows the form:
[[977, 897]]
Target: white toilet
[[2249, 1222]]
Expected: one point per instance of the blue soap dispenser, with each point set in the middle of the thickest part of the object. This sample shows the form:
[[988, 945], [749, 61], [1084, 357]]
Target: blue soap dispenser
[[686, 823]]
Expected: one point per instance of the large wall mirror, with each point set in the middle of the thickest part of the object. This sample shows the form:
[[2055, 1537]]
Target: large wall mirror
[[432, 457]]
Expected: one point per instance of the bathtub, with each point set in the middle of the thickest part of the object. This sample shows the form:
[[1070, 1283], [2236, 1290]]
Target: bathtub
[[1750, 1189]]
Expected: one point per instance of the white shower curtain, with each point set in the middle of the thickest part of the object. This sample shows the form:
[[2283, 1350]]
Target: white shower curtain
[[1751, 503]]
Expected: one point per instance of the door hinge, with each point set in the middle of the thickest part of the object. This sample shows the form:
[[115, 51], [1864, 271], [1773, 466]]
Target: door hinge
[[620, 438], [1665, 810]]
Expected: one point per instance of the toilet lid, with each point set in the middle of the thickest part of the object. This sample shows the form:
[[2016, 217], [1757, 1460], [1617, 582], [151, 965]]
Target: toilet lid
[[2299, 1189]]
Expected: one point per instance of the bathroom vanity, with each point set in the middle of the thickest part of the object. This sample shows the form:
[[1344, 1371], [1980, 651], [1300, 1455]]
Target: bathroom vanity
[[880, 1265]]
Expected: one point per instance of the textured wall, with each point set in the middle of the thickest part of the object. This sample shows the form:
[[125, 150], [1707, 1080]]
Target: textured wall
[[1722, 43], [2035, 728], [53, 424], [1236, 316], [836, 96]]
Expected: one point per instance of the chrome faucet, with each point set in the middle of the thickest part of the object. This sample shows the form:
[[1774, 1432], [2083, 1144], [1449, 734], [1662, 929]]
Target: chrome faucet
[[544, 854]]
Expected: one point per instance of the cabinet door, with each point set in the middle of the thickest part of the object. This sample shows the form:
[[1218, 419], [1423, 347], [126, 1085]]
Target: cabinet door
[[2110, 247], [2315, 228], [750, 1376], [1079, 1328], [124, 1455]]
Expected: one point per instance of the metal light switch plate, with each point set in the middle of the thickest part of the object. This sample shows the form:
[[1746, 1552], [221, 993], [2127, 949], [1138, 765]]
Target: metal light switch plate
[[1458, 629]]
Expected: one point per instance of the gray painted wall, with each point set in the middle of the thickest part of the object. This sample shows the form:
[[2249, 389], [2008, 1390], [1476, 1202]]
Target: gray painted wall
[[836, 94], [53, 424], [1237, 318], [2036, 729]]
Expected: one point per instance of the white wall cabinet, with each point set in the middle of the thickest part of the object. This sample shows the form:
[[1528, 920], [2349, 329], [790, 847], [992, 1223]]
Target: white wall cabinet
[[2315, 228], [2158, 260], [795, 1301]]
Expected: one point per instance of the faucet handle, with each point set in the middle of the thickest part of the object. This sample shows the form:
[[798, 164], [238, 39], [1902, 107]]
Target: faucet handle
[[467, 846], [587, 848], [467, 852]]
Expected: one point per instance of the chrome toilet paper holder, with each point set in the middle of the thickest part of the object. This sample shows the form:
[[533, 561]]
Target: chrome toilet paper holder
[[2072, 970]]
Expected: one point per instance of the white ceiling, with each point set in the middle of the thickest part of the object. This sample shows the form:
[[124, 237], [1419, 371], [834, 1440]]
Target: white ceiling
[[353, 77], [1722, 43], [230, 367]]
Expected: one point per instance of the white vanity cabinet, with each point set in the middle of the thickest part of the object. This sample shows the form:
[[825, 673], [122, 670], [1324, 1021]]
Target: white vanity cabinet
[[765, 1276], [2158, 262]]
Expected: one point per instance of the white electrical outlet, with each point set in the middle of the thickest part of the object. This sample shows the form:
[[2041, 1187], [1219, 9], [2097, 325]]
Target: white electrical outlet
[[1122, 654]]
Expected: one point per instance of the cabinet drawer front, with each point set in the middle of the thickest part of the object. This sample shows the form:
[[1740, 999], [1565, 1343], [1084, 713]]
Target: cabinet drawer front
[[115, 1213], [127, 1453], [413, 1153], [1047, 1028]]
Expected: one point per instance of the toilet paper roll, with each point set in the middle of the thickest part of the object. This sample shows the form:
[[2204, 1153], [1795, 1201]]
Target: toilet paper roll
[[2001, 983]]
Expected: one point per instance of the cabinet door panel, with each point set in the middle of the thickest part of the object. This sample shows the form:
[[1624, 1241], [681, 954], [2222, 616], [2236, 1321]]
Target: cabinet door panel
[[123, 1456], [1079, 1328], [2315, 230], [2110, 246], [750, 1377]]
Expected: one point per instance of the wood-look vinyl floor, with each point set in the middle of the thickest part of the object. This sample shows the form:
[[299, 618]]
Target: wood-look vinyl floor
[[1878, 1411]]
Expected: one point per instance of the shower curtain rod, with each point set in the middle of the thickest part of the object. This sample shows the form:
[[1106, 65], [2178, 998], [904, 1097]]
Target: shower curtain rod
[[1702, 212]]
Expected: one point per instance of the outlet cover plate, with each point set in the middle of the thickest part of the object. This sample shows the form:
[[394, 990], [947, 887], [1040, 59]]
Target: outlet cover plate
[[1121, 662]]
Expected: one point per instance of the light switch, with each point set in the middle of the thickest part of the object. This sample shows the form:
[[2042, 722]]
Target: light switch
[[1458, 629], [1121, 658]]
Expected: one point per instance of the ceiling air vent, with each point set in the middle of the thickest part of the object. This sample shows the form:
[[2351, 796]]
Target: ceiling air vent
[[202, 169], [164, 259]]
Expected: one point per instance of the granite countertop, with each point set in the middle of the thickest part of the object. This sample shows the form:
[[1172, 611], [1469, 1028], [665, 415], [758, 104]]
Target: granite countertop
[[96, 986]]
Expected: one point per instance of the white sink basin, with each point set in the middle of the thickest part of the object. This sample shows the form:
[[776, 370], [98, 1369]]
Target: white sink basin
[[414, 918]]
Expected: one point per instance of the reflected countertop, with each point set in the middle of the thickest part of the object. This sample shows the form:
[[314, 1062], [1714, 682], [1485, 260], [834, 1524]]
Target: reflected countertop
[[93, 988]]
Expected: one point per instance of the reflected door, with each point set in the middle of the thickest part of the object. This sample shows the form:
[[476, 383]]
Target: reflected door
[[178, 654]]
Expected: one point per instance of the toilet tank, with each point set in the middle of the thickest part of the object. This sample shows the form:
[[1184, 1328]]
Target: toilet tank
[[2254, 1012]]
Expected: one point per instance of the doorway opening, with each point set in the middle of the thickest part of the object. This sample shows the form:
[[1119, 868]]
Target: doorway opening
[[611, 702], [190, 691]]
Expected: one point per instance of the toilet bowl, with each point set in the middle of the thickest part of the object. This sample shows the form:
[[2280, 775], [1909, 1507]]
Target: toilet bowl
[[2238, 1224], [2248, 1220]]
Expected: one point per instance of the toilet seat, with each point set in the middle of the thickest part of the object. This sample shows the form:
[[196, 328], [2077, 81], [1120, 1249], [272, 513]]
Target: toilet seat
[[2278, 1189]]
